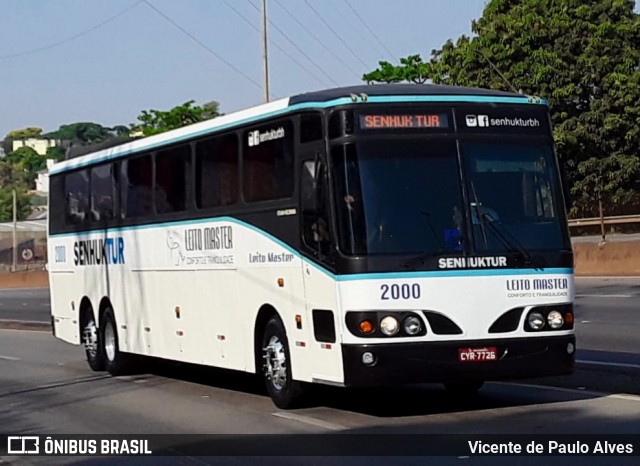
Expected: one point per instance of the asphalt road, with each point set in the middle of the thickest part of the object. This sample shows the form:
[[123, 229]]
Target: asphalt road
[[26, 304], [46, 387]]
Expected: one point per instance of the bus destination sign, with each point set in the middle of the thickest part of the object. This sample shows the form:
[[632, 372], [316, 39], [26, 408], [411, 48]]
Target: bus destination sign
[[404, 121]]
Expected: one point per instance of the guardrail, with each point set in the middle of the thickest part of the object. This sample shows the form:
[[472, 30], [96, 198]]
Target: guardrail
[[585, 222]]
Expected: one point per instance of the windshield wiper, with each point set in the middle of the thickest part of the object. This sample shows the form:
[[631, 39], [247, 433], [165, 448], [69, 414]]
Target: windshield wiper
[[476, 204], [506, 237], [501, 232]]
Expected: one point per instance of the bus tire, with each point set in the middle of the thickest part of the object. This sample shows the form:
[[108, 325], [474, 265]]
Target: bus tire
[[116, 362], [464, 388], [285, 392], [92, 342]]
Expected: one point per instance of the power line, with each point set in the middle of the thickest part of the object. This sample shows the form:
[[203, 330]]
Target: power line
[[197, 41], [293, 59], [75, 36], [355, 12], [319, 41], [282, 33], [335, 33]]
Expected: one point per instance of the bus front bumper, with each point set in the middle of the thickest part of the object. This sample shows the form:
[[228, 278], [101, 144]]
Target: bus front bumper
[[517, 358]]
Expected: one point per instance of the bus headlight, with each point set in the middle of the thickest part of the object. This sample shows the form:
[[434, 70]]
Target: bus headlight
[[412, 325], [555, 320], [389, 326], [535, 321]]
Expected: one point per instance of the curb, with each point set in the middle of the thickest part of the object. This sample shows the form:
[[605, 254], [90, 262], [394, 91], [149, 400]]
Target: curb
[[35, 326]]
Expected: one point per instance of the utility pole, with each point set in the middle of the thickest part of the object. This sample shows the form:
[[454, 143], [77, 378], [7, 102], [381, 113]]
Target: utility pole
[[14, 265], [265, 60]]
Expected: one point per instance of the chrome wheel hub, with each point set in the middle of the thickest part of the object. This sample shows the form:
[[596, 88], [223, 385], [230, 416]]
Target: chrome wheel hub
[[90, 339], [275, 363], [109, 342]]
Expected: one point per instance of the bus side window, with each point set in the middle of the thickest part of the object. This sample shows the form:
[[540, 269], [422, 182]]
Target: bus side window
[[268, 162], [315, 219], [102, 192], [137, 187], [172, 173], [217, 172], [310, 127], [76, 192]]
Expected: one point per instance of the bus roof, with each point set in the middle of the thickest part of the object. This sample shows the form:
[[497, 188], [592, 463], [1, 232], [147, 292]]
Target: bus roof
[[397, 90], [387, 93]]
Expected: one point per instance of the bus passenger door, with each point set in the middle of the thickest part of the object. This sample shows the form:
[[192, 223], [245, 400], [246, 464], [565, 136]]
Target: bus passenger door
[[319, 283]]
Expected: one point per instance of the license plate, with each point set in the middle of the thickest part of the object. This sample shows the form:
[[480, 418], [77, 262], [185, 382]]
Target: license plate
[[486, 354]]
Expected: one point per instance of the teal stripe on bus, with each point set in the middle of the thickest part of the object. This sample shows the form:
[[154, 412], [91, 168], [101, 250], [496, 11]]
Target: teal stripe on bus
[[303, 106], [340, 278]]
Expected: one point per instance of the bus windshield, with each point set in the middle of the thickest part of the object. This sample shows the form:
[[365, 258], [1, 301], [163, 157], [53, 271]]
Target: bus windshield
[[514, 197], [398, 197], [405, 197]]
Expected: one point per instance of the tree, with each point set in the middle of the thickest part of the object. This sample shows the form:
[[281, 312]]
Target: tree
[[157, 121], [82, 133], [56, 153], [584, 57], [24, 133], [23, 203], [29, 161]]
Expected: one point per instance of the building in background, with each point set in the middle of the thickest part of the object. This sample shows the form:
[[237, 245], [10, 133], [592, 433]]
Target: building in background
[[39, 145], [42, 181]]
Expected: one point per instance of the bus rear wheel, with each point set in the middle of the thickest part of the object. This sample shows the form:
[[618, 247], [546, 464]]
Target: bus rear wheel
[[116, 362], [464, 388], [285, 392], [92, 343]]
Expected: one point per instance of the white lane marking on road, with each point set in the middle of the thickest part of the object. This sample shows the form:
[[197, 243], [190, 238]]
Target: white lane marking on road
[[612, 364], [625, 396], [582, 391], [604, 296], [573, 391], [9, 358], [309, 420]]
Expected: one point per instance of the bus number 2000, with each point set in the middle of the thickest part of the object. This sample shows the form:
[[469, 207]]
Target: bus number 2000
[[404, 291]]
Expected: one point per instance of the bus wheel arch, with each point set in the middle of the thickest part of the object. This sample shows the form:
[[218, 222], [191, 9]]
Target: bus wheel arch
[[105, 304], [116, 362], [274, 361], [90, 335], [265, 314]]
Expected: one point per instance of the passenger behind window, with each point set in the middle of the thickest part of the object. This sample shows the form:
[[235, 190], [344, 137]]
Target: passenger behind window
[[139, 192]]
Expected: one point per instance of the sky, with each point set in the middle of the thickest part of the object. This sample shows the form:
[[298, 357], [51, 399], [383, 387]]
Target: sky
[[104, 61]]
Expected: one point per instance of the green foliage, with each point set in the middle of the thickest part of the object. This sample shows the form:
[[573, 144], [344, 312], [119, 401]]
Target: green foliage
[[25, 133], [83, 133], [23, 203], [158, 121], [411, 69], [584, 57], [28, 161], [13, 177], [56, 153]]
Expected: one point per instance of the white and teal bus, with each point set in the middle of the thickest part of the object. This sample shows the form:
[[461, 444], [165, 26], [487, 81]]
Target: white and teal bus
[[358, 236]]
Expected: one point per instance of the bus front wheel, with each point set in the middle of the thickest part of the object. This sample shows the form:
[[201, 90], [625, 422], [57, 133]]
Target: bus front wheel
[[116, 362], [285, 392]]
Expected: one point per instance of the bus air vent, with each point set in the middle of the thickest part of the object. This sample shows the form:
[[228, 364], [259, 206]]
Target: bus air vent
[[507, 322], [442, 325]]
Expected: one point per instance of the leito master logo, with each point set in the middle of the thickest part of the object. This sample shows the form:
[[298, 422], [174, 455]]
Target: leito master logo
[[23, 445]]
